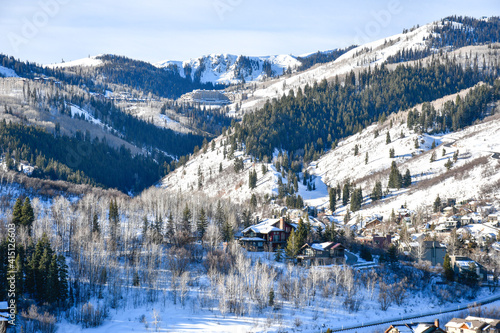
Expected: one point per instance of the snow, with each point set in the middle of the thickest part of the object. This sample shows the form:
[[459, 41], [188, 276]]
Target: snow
[[75, 110], [225, 68], [364, 56], [263, 227], [3, 305], [7, 72], [85, 62]]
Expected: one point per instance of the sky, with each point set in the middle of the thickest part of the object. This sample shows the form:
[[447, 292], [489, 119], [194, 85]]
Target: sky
[[49, 31]]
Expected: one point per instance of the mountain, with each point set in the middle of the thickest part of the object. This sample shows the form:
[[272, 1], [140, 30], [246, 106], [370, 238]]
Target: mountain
[[445, 35], [232, 69]]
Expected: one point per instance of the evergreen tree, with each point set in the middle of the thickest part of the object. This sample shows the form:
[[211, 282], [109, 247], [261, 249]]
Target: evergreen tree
[[391, 153], [95, 224], [366, 158], [395, 179], [302, 233], [356, 150], [292, 245], [365, 254], [271, 297], [448, 164], [202, 223], [377, 191], [356, 200], [333, 199], [252, 179], [17, 212], [253, 200], [346, 193], [186, 219], [407, 179], [449, 274], [227, 231], [387, 138], [437, 204], [392, 254]]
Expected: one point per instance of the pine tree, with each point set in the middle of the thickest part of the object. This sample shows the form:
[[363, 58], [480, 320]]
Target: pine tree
[[437, 204], [253, 200], [345, 193], [201, 225], [292, 245], [356, 150], [395, 179], [252, 179], [387, 138], [448, 164], [449, 274], [366, 158], [227, 231], [433, 156], [407, 179], [302, 233], [391, 153], [17, 212], [186, 219], [63, 278], [356, 200], [392, 254], [333, 199], [377, 191], [271, 297]]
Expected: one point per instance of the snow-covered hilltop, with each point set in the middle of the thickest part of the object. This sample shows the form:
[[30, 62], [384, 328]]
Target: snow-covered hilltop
[[230, 69], [84, 62]]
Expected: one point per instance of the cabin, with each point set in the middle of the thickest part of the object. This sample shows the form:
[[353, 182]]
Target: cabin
[[268, 235], [326, 253], [473, 325], [416, 328]]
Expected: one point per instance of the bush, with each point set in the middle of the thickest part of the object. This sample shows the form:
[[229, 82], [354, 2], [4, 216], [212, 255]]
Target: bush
[[87, 315], [37, 322]]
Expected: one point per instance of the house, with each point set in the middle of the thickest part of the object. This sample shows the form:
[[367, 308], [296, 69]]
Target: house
[[461, 264], [434, 252], [377, 241], [473, 325], [416, 328], [267, 235], [326, 253]]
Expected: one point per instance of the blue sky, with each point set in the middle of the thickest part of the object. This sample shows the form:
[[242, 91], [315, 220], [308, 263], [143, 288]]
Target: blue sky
[[47, 31]]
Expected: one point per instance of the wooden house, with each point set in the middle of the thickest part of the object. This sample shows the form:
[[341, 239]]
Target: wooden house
[[473, 325], [326, 253], [268, 235]]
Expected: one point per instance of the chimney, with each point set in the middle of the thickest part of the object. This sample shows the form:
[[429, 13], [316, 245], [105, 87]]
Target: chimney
[[436, 323], [282, 223]]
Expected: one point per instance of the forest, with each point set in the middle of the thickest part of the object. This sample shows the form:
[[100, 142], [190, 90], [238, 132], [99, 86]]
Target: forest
[[311, 120]]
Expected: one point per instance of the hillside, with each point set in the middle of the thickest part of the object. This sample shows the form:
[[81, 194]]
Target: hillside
[[469, 177]]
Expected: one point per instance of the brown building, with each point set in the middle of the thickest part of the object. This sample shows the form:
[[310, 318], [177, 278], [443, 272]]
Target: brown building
[[326, 253], [268, 235]]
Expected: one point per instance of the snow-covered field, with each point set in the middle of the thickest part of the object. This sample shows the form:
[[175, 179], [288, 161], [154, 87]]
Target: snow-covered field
[[84, 62]]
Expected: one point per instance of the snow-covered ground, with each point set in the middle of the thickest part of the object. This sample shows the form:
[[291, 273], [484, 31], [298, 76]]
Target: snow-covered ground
[[227, 68], [85, 62], [75, 110], [7, 72]]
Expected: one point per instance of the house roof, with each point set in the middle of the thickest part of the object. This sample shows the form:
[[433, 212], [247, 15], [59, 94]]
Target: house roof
[[252, 239], [468, 323], [263, 227], [323, 246]]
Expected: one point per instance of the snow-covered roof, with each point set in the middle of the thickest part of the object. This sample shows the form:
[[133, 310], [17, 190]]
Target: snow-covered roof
[[465, 263], [252, 239], [320, 246], [263, 227]]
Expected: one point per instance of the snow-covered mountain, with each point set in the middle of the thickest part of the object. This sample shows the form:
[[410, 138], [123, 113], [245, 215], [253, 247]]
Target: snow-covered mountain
[[84, 62], [361, 57], [228, 68], [470, 176]]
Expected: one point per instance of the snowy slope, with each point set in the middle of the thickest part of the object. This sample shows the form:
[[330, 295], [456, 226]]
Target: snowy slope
[[85, 62], [370, 54], [473, 143], [7, 72], [228, 68]]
